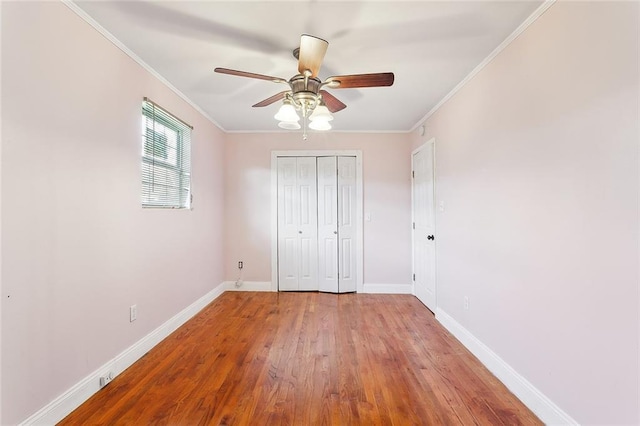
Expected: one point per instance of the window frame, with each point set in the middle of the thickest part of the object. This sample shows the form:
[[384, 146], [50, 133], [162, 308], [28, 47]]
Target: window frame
[[153, 162]]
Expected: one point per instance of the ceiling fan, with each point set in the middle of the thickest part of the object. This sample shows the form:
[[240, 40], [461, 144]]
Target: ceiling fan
[[306, 93]]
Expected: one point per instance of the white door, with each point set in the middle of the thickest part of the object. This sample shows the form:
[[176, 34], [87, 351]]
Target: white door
[[297, 224], [337, 224], [424, 225], [347, 224], [327, 224], [317, 224]]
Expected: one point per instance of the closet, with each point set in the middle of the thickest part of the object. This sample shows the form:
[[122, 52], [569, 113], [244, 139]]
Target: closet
[[317, 226]]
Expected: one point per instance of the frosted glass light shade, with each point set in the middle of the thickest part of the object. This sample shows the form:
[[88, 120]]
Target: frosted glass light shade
[[289, 125], [321, 113], [287, 112], [320, 125]]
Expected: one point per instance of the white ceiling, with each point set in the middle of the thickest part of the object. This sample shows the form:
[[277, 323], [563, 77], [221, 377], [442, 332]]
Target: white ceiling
[[430, 46]]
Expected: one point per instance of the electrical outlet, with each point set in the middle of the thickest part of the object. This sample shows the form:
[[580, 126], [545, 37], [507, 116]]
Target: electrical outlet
[[133, 313], [466, 303], [240, 264], [106, 379]]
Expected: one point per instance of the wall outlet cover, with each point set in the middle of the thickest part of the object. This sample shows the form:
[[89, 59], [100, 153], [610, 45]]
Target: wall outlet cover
[[133, 313]]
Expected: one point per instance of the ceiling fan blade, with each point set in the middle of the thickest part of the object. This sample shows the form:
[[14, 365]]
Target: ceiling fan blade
[[333, 104], [380, 79], [250, 75], [312, 50], [271, 99]]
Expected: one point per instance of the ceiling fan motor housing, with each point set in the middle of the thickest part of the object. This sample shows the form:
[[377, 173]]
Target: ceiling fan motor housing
[[304, 90], [297, 84]]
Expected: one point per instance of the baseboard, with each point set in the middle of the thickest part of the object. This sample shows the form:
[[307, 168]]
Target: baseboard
[[388, 288], [248, 286], [368, 288], [537, 402], [60, 407]]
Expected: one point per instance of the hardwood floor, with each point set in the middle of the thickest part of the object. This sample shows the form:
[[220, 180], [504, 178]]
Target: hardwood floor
[[306, 359]]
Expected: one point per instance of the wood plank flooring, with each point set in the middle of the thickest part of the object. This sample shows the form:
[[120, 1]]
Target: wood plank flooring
[[306, 359]]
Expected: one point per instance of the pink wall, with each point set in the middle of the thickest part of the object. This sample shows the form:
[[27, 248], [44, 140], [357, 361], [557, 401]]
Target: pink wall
[[387, 197], [537, 164], [77, 248]]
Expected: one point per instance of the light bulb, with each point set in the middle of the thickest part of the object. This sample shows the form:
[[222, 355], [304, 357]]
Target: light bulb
[[287, 112], [320, 125], [321, 113]]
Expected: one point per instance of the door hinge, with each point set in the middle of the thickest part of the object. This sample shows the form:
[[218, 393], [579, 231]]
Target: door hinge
[[414, 277], [413, 174], [414, 225]]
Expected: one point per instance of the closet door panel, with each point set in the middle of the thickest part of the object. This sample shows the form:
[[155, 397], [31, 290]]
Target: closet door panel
[[327, 224], [288, 236], [347, 224], [307, 223]]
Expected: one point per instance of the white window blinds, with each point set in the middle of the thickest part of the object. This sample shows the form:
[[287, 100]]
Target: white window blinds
[[166, 158]]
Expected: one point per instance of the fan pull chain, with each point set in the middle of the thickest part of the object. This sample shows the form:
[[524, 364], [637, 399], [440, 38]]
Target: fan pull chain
[[304, 128]]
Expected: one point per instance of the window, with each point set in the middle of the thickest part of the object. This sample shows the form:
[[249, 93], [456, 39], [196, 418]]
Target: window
[[166, 159]]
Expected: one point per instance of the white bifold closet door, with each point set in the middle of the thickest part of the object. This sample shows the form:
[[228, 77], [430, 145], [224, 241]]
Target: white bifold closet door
[[347, 229], [335, 223], [327, 224], [297, 224]]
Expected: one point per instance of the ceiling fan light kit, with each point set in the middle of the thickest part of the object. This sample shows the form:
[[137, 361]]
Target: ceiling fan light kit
[[306, 94], [287, 112], [321, 113]]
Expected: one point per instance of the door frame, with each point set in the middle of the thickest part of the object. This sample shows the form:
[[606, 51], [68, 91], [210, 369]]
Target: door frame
[[359, 208], [432, 142]]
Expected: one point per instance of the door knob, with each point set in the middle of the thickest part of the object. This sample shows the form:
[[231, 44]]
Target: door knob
[[335, 232], [299, 232], [430, 237]]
